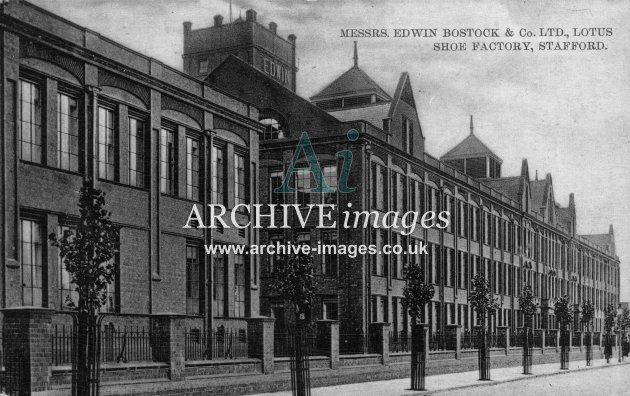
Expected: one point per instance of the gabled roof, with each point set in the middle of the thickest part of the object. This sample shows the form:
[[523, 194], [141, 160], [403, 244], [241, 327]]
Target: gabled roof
[[471, 146], [539, 196], [603, 240], [353, 82], [509, 186]]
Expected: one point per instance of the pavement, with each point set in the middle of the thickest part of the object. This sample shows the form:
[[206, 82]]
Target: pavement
[[504, 381]]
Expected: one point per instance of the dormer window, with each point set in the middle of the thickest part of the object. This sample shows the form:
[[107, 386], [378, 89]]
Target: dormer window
[[274, 127]]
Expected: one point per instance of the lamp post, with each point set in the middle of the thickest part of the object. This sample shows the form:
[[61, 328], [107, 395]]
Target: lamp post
[[619, 313]]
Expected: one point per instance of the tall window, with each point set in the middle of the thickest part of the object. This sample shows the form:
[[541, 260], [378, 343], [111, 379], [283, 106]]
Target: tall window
[[399, 192], [379, 186], [378, 266], [239, 286], [330, 176], [474, 224], [111, 304], [67, 133], [137, 150], [462, 224], [302, 186], [32, 253], [218, 175], [407, 134], [329, 258], [193, 281], [240, 184], [330, 309], [218, 285], [448, 207], [168, 163], [192, 168], [106, 144], [275, 181], [30, 122], [66, 287]]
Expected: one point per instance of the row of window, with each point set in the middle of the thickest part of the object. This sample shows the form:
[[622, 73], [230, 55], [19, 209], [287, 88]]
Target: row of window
[[470, 221], [34, 285], [221, 286], [69, 152], [34, 272], [329, 260], [303, 182]]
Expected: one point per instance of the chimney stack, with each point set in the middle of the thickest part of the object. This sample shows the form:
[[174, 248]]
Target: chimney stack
[[292, 38], [273, 27], [187, 27], [218, 20], [250, 15]]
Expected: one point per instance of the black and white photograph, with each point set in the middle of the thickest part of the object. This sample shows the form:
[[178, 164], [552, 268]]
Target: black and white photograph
[[314, 197]]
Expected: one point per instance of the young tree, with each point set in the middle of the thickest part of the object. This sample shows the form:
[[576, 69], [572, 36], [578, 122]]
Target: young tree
[[528, 307], [416, 295], [588, 312], [609, 324], [87, 253], [527, 304], [484, 304], [294, 279], [564, 314], [609, 318]]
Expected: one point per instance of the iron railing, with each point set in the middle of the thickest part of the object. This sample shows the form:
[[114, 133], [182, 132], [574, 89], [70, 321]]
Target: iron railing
[[469, 340], [354, 343], [126, 344], [575, 339], [517, 337], [551, 338], [537, 338], [284, 343], [399, 341], [596, 338], [224, 344]]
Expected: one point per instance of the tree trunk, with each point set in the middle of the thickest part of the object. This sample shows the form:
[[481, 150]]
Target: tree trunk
[[82, 376]]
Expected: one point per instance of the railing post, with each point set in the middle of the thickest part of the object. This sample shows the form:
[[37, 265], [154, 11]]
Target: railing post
[[557, 340], [328, 340], [543, 340], [507, 340], [581, 340], [27, 335], [380, 336], [169, 332], [260, 341], [455, 329]]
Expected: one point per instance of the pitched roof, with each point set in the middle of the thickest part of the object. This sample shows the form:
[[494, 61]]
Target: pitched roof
[[538, 193], [353, 82], [509, 186], [373, 114], [603, 240], [471, 146]]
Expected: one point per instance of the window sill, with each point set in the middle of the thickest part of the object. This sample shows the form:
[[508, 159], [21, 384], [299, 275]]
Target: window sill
[[117, 183], [54, 168]]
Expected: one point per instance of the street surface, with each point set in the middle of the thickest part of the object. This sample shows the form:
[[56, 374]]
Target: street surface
[[600, 379]]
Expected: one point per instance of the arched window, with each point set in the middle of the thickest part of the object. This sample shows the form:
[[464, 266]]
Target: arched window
[[275, 127]]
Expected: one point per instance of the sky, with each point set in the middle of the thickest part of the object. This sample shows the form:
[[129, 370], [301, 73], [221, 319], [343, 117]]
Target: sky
[[565, 111]]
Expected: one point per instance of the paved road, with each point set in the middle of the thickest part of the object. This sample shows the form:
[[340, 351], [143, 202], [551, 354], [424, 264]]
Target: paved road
[[609, 381]]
